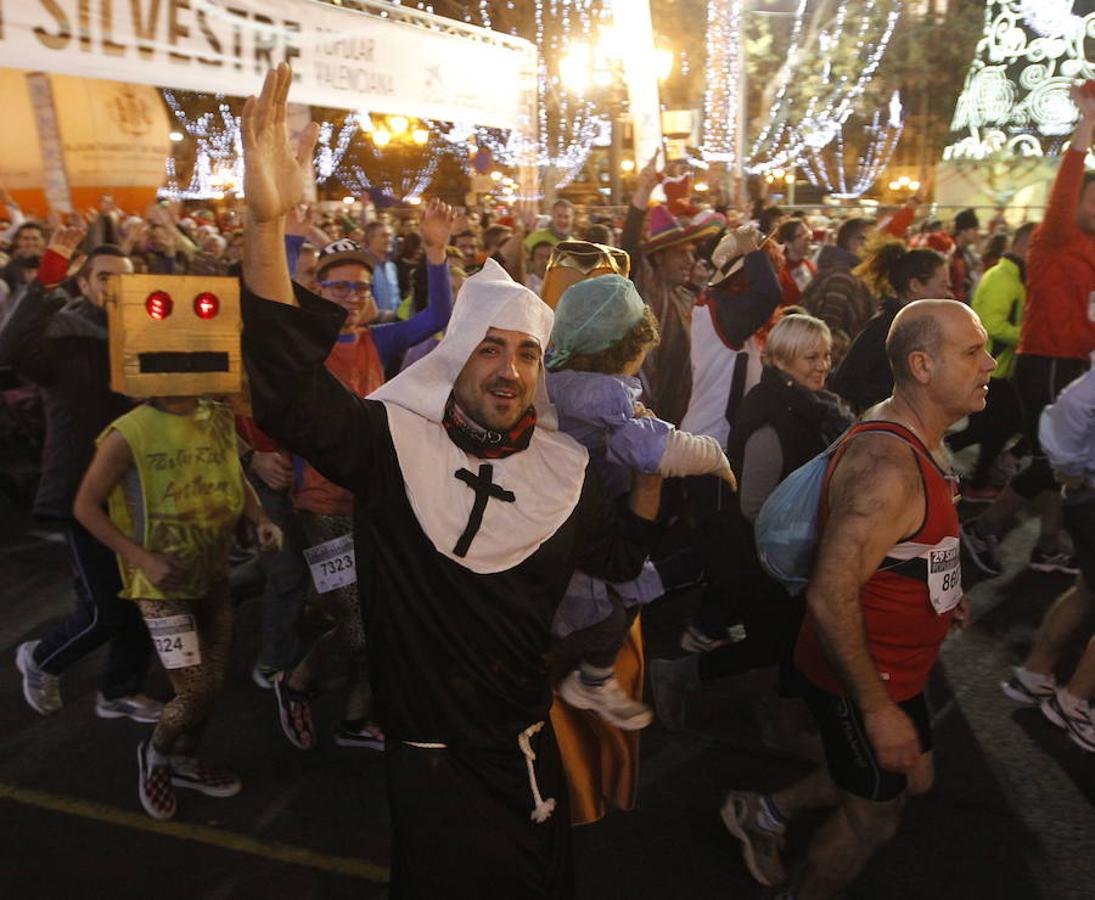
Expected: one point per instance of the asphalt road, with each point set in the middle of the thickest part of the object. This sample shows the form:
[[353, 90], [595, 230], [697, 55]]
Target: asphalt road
[[1012, 814]]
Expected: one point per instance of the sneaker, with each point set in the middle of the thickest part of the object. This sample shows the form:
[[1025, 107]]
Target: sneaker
[[695, 641], [1029, 695], [154, 787], [670, 682], [1053, 561], [982, 550], [1079, 723], [137, 707], [264, 676], [608, 700], [370, 737], [41, 690], [760, 848], [295, 714], [197, 776]]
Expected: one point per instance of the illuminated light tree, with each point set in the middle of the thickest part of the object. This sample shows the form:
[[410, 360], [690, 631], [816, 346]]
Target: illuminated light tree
[[1015, 100], [828, 166], [722, 99], [835, 48]]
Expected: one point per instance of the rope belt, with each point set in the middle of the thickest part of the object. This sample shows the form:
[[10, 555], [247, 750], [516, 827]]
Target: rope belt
[[542, 808]]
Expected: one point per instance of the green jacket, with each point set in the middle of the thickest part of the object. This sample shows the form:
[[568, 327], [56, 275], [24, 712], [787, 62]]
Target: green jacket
[[998, 300]]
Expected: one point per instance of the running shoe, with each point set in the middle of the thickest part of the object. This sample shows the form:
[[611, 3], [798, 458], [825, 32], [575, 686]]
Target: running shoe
[[295, 714], [195, 775], [982, 550], [1053, 561], [1077, 722], [154, 787], [760, 848], [137, 707], [370, 737], [1028, 694], [263, 676], [41, 690], [608, 700]]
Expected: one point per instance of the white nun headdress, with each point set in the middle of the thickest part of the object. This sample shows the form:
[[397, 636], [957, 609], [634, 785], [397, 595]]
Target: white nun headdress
[[542, 483], [489, 299]]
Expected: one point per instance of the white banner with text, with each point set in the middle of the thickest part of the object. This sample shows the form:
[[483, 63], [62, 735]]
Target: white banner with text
[[429, 68]]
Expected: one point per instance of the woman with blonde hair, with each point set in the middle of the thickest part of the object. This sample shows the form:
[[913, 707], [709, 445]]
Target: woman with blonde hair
[[782, 423]]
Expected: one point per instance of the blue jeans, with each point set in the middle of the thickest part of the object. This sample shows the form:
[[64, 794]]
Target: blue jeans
[[100, 616], [286, 581]]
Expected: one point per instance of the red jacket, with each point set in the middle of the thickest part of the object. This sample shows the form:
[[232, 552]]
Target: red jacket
[[1059, 319]]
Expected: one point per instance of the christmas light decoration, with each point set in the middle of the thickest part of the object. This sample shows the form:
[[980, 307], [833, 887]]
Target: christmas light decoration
[[830, 97], [218, 158], [722, 98], [826, 166], [1015, 100], [564, 32]]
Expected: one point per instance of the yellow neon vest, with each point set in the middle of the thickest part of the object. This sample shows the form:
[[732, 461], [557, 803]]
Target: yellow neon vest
[[190, 494]]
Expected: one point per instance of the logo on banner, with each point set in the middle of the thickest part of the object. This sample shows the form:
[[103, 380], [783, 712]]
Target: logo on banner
[[130, 113]]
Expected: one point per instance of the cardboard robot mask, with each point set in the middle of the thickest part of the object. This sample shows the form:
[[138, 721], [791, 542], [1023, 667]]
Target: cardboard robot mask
[[174, 335], [574, 261]]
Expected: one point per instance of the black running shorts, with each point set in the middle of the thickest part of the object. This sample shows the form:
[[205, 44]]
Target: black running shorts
[[849, 755]]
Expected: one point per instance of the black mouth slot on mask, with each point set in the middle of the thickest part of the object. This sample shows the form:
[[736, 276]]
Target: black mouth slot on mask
[[167, 362]]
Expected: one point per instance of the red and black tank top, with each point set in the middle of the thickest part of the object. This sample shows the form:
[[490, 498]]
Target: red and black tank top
[[908, 603]]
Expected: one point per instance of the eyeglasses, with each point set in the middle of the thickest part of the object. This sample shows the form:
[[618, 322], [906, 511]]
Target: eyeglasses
[[343, 289]]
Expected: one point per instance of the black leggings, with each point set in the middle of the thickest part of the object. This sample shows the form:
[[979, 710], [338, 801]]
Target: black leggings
[[991, 428], [1038, 381]]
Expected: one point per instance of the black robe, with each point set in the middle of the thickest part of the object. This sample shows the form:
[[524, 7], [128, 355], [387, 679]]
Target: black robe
[[457, 658]]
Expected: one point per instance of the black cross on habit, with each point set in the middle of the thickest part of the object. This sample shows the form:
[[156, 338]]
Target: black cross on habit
[[484, 488]]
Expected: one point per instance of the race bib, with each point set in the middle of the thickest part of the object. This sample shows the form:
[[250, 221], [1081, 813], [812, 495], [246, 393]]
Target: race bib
[[176, 641], [945, 575], [332, 563]]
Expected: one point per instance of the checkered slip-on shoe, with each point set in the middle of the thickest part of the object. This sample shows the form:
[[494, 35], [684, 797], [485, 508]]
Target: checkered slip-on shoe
[[197, 776], [154, 787], [295, 714]]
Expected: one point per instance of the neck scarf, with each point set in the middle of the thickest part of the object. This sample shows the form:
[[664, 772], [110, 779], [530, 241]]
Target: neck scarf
[[482, 442]]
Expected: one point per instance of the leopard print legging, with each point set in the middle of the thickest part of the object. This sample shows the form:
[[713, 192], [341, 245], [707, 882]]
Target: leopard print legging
[[183, 721]]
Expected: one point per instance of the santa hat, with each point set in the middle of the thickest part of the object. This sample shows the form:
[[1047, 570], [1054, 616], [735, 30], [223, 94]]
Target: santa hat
[[678, 193]]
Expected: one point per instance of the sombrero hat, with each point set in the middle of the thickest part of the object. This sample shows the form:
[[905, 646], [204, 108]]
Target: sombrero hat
[[664, 231]]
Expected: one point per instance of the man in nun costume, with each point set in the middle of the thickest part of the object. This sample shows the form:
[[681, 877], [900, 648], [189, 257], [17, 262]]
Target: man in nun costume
[[471, 512]]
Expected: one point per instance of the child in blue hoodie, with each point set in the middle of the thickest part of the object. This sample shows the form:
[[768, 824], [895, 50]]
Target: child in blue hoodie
[[602, 333]]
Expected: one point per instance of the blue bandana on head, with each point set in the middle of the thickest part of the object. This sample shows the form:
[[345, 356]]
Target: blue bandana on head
[[592, 315]]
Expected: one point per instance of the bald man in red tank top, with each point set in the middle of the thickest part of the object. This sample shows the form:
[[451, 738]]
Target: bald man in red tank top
[[886, 589]]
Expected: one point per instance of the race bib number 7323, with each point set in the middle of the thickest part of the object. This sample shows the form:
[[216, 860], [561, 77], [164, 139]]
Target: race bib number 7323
[[332, 563]]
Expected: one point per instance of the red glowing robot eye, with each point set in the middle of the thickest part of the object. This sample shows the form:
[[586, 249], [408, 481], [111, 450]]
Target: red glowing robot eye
[[159, 305], [206, 305]]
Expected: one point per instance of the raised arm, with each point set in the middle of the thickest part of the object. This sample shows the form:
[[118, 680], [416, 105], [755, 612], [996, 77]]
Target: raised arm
[[631, 237], [1059, 223], [392, 338], [288, 332], [274, 184], [875, 500]]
